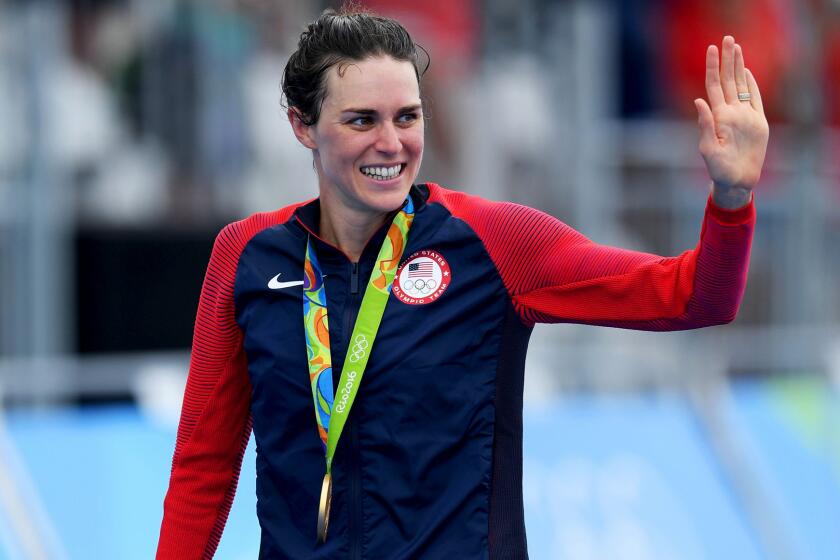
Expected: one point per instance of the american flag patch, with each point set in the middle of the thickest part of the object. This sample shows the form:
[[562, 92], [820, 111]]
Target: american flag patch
[[422, 278], [423, 269]]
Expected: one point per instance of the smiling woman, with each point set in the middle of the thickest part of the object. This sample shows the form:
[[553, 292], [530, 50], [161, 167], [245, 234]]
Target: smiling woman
[[424, 299], [367, 144]]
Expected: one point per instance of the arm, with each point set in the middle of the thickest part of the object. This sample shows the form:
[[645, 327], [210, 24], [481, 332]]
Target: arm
[[215, 424], [614, 287], [579, 281], [554, 274]]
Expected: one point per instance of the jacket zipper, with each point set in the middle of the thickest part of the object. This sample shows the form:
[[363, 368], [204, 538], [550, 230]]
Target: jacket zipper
[[354, 468], [354, 278]]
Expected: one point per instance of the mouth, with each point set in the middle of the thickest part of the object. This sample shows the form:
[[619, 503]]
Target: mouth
[[383, 173]]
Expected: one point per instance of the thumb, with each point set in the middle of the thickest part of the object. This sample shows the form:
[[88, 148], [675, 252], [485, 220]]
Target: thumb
[[708, 138]]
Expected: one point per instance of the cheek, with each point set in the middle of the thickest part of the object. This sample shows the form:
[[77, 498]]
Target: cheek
[[414, 141], [341, 150]]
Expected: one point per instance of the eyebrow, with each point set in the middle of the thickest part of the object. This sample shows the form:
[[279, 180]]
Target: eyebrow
[[361, 111]]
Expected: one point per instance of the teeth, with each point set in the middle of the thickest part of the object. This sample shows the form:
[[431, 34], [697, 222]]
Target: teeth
[[382, 172]]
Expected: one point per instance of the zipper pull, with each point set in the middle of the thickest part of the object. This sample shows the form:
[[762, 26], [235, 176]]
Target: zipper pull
[[354, 278]]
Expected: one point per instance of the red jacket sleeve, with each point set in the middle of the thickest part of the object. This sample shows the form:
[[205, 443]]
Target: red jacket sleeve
[[215, 421], [555, 274]]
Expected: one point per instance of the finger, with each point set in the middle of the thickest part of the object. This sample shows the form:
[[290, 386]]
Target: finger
[[755, 100], [740, 73], [727, 70], [713, 89], [706, 121]]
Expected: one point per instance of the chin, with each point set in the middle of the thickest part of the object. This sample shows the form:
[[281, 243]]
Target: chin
[[387, 195], [388, 201]]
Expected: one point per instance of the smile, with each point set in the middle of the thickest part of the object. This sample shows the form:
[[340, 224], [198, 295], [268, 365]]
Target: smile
[[383, 173]]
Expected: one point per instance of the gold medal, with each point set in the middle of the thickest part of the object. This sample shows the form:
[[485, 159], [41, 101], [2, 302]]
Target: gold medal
[[324, 508]]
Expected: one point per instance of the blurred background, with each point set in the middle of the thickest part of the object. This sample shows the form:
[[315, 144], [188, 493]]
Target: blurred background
[[131, 131]]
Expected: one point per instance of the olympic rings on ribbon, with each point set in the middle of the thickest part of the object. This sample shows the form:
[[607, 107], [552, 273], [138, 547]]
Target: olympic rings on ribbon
[[359, 348]]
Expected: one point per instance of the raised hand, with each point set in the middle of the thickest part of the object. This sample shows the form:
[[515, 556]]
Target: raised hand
[[733, 132]]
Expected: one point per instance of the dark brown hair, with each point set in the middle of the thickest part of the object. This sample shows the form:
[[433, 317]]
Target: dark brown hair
[[339, 38]]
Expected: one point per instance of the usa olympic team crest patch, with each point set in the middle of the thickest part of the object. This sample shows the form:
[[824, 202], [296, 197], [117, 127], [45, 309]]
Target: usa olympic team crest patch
[[422, 278]]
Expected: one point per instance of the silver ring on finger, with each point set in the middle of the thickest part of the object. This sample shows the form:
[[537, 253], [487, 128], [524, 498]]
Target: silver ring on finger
[[744, 96]]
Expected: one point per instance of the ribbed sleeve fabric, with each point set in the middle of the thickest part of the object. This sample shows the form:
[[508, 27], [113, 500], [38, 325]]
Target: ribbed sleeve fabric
[[555, 274], [215, 423]]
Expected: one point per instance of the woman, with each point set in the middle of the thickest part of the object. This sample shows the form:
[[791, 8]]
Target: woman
[[431, 296]]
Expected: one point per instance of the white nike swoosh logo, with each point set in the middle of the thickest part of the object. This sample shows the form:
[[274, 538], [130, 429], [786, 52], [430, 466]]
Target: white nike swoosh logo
[[276, 284]]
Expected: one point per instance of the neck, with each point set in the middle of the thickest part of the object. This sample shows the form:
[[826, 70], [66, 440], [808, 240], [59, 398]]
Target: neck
[[348, 230]]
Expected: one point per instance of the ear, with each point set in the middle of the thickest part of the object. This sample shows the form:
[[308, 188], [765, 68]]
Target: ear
[[303, 132]]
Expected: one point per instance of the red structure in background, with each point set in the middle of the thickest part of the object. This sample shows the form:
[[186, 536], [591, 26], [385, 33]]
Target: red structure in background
[[831, 73], [764, 28], [447, 27]]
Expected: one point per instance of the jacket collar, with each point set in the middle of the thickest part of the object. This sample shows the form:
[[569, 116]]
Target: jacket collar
[[308, 217]]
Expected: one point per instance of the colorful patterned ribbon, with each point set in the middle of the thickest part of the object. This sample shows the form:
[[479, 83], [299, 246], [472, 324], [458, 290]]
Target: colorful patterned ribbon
[[331, 413]]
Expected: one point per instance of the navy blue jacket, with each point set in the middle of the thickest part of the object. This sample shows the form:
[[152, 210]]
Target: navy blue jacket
[[430, 462]]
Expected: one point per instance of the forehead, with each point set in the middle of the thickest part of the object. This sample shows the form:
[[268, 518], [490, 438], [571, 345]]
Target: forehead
[[379, 82]]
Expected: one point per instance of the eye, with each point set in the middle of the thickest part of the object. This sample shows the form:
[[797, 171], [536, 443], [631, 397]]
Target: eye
[[361, 121], [408, 118]]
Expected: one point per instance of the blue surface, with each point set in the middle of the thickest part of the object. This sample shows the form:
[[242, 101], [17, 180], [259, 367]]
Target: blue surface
[[102, 475], [793, 426], [628, 477]]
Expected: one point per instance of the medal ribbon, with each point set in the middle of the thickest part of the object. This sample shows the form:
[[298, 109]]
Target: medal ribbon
[[331, 413]]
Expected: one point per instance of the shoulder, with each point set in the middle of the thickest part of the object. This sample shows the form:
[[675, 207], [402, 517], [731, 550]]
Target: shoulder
[[486, 216], [233, 238], [458, 202]]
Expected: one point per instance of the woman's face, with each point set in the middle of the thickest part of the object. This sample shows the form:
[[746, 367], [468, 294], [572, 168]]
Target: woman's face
[[368, 141]]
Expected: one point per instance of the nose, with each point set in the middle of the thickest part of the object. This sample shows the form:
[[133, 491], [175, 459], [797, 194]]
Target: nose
[[388, 141]]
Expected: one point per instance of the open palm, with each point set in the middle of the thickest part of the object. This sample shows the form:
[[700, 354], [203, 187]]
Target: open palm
[[733, 132]]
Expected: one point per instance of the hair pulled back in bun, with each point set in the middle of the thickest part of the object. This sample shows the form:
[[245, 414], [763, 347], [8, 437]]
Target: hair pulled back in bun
[[339, 38]]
